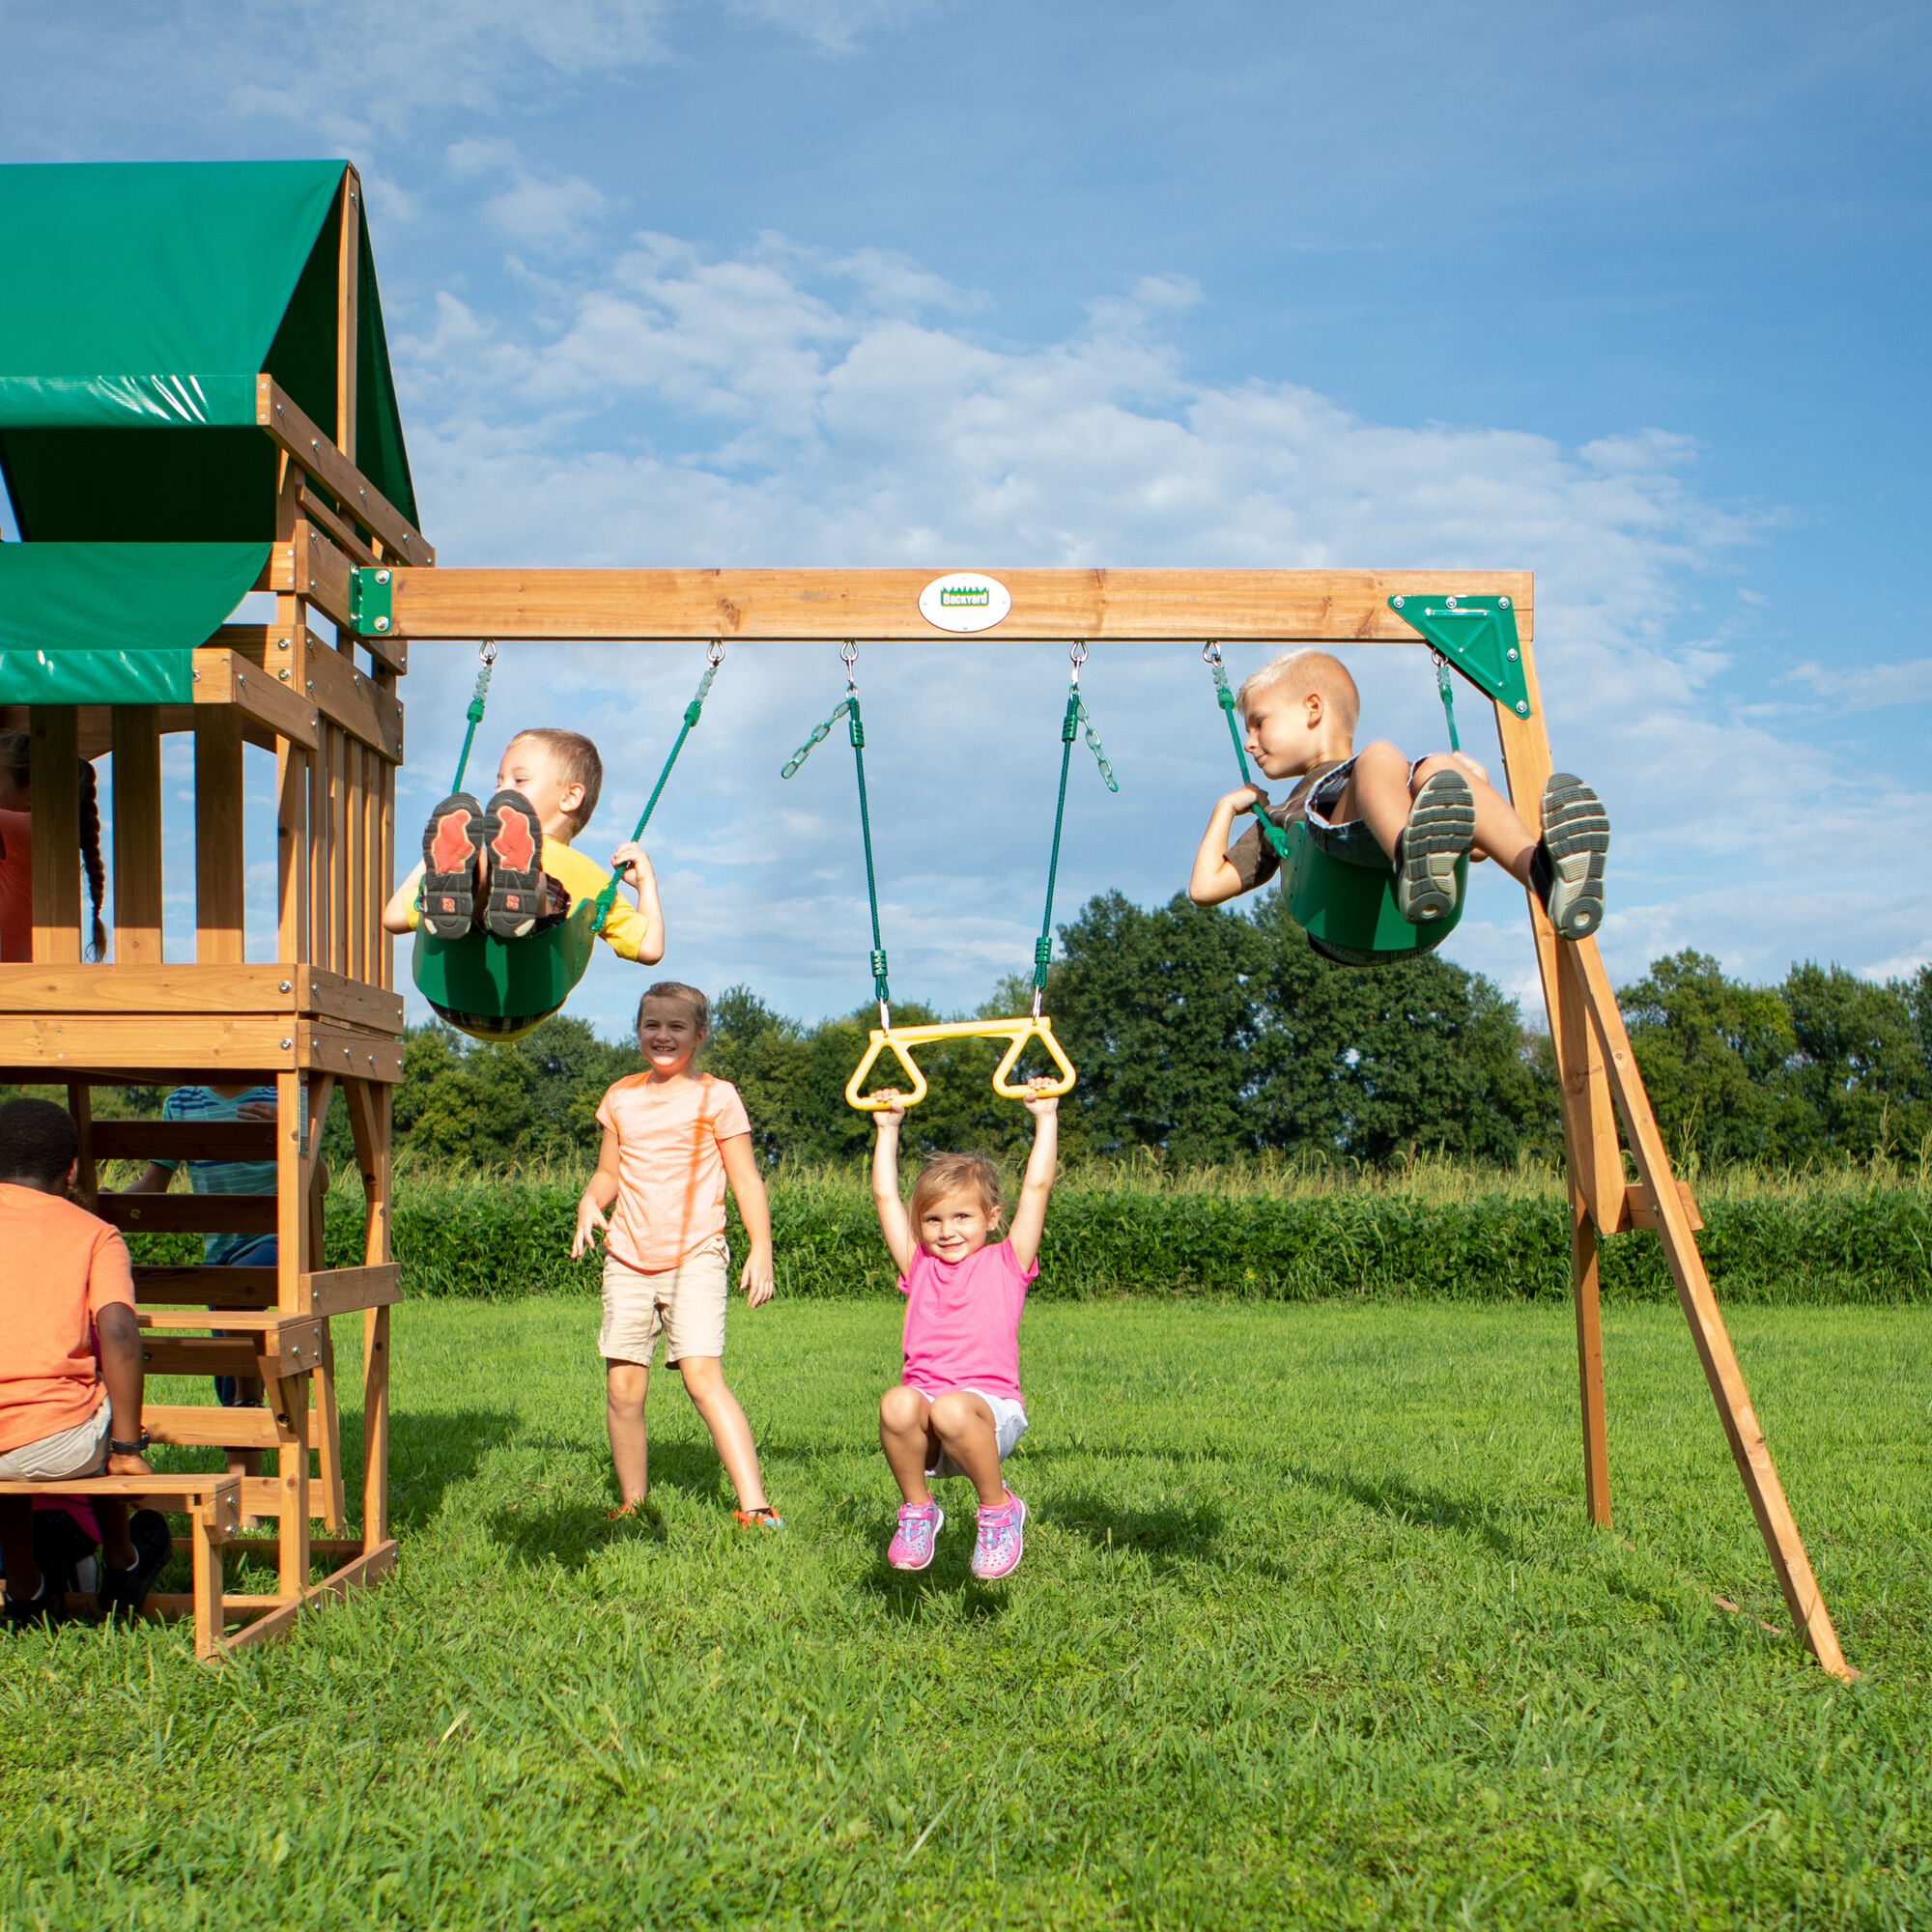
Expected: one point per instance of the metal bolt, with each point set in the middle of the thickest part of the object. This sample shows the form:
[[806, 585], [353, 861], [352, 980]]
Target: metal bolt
[[1513, 654], [283, 673], [197, 677], [1522, 707], [381, 577], [1396, 602], [1502, 603], [382, 623], [286, 1044], [1451, 602], [284, 987]]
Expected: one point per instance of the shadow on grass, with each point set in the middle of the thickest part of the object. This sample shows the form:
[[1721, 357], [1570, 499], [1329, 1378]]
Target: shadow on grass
[[567, 1535], [1409, 1502], [429, 1453], [1172, 1536]]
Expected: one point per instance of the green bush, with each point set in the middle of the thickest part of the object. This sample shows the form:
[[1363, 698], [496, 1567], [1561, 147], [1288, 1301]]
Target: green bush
[[499, 1238]]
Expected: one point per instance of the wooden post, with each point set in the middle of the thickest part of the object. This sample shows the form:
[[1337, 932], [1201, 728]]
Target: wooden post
[[291, 853], [209, 1628], [375, 1426], [1590, 1362], [135, 775], [219, 863], [291, 1398], [80, 1104], [53, 784], [319, 950], [292, 1261], [1748, 1448], [348, 291]]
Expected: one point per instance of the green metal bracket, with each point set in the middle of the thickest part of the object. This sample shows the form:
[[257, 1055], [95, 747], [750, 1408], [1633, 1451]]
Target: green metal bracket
[[1477, 635], [369, 601]]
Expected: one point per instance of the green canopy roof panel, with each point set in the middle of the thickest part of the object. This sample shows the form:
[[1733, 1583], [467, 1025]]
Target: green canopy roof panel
[[148, 297], [114, 623]]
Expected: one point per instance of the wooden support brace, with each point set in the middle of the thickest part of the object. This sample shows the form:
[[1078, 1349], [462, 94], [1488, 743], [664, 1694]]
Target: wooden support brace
[[135, 773], [54, 785]]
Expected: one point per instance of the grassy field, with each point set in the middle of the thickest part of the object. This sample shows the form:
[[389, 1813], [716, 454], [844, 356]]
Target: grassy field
[[1309, 1630]]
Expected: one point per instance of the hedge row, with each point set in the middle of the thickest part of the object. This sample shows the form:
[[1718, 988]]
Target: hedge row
[[500, 1240]]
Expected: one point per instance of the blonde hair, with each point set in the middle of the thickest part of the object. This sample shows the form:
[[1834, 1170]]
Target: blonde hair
[[948, 1173], [1306, 671], [676, 990], [576, 760]]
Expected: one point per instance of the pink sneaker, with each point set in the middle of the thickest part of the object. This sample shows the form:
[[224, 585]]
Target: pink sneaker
[[1002, 1539], [916, 1537]]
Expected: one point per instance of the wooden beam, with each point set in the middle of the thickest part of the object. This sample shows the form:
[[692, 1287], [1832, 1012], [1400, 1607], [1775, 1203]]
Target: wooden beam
[[198, 1287], [348, 306], [219, 864], [295, 435], [371, 1566], [189, 1213], [299, 660], [53, 784], [1748, 1448], [222, 678], [1590, 1364], [303, 990], [1335, 607], [184, 1140], [206, 1426], [128, 1050], [135, 776], [348, 1290]]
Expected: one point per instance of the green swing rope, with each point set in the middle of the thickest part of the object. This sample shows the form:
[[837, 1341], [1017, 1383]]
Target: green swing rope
[[1070, 729], [848, 709], [1210, 656], [693, 712]]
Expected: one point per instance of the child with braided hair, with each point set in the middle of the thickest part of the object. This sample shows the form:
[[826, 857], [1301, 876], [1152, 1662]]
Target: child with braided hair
[[17, 852]]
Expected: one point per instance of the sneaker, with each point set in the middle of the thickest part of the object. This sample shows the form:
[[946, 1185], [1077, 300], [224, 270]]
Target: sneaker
[[44, 1612], [917, 1538], [123, 1592], [1567, 869], [450, 842], [1002, 1539], [766, 1517], [1441, 824], [514, 834]]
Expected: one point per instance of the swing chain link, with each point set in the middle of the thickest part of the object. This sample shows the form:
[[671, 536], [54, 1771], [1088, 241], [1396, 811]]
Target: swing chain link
[[819, 734], [1446, 691], [1276, 837]]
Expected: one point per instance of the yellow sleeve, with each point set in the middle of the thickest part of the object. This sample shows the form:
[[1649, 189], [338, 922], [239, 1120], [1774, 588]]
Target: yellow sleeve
[[412, 885], [625, 928]]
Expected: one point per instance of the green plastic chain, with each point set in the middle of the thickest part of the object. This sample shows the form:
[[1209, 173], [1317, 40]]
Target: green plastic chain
[[477, 700], [693, 712], [1070, 729]]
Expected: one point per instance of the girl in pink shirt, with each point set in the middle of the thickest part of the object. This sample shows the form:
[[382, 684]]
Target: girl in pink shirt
[[958, 1410]]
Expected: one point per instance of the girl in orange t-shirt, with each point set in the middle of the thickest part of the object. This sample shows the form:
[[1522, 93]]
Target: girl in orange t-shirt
[[17, 852], [673, 1140]]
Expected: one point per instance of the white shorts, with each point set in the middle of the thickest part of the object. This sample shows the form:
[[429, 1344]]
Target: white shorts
[[1009, 1424], [78, 1451]]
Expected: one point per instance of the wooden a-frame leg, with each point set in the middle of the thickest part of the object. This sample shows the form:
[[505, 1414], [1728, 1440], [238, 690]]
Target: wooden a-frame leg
[[375, 1426], [209, 1617], [1748, 1448], [292, 1472], [325, 1432], [1590, 1363]]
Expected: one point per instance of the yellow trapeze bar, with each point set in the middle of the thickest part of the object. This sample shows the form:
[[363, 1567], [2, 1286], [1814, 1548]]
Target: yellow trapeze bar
[[899, 1038]]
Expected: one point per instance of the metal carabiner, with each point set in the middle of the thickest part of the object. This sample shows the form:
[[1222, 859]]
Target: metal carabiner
[[489, 651], [1210, 652], [714, 655], [848, 653]]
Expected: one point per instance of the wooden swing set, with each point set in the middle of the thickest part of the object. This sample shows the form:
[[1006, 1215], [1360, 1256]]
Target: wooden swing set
[[325, 1017]]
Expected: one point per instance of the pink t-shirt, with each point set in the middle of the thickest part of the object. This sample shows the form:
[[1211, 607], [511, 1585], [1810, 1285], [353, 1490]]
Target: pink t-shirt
[[670, 1170], [962, 1322]]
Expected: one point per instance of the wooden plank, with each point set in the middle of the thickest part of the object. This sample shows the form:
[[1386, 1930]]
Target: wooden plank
[[348, 319], [348, 1052], [293, 1346], [1337, 607], [326, 1433], [223, 679], [210, 1622], [201, 991], [103, 1049], [292, 431], [375, 1426], [291, 1396], [230, 1289], [387, 876], [318, 852], [184, 1140], [87, 1173], [337, 956], [135, 776], [293, 1154], [371, 1566], [189, 1213], [54, 784], [1590, 1362], [339, 690], [1638, 1211], [346, 1291], [369, 1127], [291, 852], [195, 1426], [341, 533], [356, 845], [167, 1489], [244, 1321], [1748, 1448]]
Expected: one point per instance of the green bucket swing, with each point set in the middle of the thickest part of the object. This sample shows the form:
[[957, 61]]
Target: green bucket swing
[[503, 987], [1346, 906]]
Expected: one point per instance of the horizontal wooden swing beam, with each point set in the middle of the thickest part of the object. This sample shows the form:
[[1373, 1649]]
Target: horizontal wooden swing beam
[[1332, 606]]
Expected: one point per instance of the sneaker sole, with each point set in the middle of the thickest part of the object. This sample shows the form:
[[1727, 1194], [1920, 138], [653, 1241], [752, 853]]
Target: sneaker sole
[[996, 1576], [515, 838], [913, 1568], [1577, 836], [451, 842], [1436, 841]]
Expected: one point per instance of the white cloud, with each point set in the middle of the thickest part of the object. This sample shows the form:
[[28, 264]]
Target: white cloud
[[786, 407], [835, 25], [1869, 686]]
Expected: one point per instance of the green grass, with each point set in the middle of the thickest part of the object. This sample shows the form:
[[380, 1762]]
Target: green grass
[[1309, 1630]]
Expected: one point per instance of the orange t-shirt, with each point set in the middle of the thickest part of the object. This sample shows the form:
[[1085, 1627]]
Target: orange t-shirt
[[63, 1265], [16, 888], [671, 1169]]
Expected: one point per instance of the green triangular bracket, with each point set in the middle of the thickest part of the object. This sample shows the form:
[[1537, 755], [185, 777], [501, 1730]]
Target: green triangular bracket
[[1477, 635]]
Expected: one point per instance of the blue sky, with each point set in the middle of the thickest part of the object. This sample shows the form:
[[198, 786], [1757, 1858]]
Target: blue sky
[[1633, 297]]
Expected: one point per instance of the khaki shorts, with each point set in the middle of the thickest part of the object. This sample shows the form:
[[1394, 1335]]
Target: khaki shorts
[[686, 1304], [80, 1451]]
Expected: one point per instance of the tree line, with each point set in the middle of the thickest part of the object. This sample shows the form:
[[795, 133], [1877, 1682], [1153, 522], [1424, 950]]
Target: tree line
[[1209, 1034]]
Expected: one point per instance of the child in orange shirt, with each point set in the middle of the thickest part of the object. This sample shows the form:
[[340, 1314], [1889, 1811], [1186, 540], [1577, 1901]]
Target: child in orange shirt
[[672, 1141], [69, 1406]]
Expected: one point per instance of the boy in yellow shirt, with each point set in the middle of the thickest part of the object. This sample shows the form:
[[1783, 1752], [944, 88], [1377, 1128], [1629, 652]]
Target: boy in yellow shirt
[[511, 869]]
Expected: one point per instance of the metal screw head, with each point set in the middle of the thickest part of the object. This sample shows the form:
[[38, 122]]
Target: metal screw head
[[1522, 707], [382, 623], [1502, 603], [1450, 601], [1396, 602], [283, 673], [286, 1044], [1513, 654], [284, 987], [381, 577]]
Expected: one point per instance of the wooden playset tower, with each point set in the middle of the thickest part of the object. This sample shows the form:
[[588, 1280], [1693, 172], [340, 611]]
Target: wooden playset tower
[[196, 402]]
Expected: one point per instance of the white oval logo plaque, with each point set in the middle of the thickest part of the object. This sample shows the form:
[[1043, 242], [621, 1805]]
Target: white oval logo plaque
[[964, 600]]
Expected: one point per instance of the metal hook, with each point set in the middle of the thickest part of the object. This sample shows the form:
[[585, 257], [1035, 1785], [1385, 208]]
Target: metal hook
[[849, 652], [1079, 656], [489, 651], [714, 656], [1210, 652]]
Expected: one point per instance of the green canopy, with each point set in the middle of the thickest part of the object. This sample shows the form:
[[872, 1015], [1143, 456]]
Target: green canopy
[[114, 623], [142, 302]]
